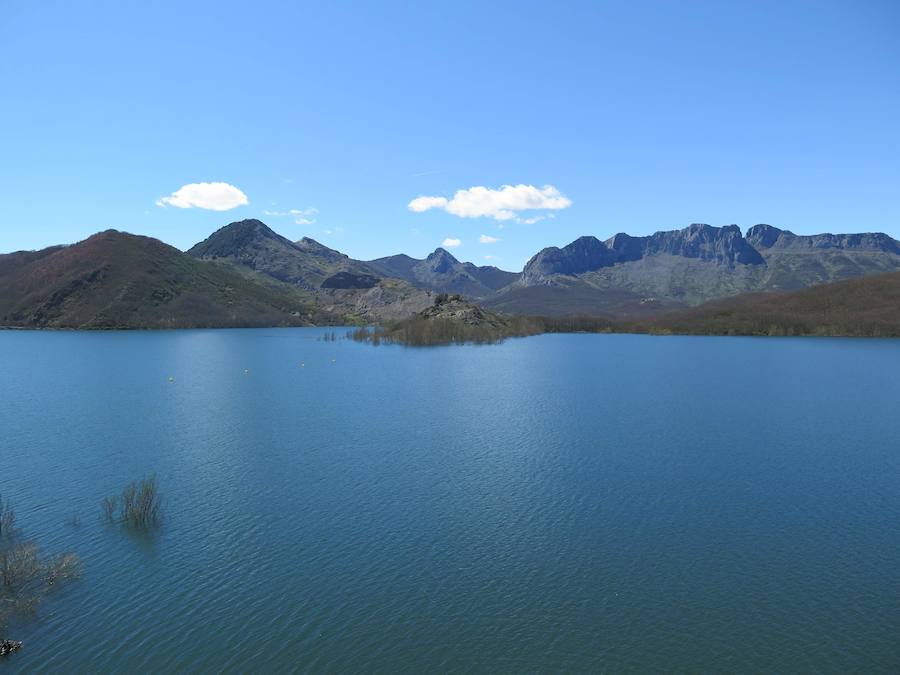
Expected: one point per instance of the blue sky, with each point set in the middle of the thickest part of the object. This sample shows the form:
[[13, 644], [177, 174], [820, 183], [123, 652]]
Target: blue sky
[[625, 116]]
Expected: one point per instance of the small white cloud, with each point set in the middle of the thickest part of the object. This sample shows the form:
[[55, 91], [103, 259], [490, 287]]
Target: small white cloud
[[491, 257], [534, 219], [449, 242], [211, 196], [501, 204], [420, 204], [487, 239], [300, 216]]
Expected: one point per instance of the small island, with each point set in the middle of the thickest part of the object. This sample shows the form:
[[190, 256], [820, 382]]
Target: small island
[[454, 320]]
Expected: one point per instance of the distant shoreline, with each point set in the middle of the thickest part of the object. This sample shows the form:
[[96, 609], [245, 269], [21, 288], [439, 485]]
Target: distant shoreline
[[651, 333]]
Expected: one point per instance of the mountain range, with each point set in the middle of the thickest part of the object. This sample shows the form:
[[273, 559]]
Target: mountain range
[[247, 274]]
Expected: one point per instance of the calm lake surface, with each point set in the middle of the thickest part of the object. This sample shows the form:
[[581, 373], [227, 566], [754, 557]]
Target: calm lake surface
[[580, 503]]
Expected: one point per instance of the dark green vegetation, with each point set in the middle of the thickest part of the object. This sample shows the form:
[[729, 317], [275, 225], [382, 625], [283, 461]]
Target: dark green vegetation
[[118, 280], [866, 307], [246, 275], [26, 576], [139, 506]]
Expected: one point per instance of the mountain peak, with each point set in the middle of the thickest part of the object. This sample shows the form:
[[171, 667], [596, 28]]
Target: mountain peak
[[320, 250], [441, 261], [441, 253], [763, 235], [231, 239]]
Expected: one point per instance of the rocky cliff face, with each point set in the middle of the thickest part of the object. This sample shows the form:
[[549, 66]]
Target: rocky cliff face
[[767, 237], [719, 245], [582, 255]]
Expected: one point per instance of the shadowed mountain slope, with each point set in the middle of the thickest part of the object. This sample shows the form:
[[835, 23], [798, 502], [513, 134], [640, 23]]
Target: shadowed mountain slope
[[252, 244]]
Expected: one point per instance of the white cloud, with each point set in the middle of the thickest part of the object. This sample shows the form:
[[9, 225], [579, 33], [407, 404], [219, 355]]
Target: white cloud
[[501, 204], [534, 219], [212, 196], [487, 239], [491, 257], [449, 242], [420, 204], [300, 216]]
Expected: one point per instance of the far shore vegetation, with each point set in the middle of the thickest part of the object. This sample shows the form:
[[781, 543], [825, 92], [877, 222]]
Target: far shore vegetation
[[861, 307]]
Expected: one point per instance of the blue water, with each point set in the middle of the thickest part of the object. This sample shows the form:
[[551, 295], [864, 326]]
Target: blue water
[[577, 503]]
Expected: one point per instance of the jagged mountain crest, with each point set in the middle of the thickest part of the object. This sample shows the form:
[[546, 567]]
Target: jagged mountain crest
[[440, 271], [768, 237], [721, 245]]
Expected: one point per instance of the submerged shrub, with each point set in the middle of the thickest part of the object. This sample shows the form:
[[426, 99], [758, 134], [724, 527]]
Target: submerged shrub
[[7, 520], [109, 507], [139, 506], [25, 576]]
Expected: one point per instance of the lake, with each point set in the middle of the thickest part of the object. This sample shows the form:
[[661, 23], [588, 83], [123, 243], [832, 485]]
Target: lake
[[578, 503]]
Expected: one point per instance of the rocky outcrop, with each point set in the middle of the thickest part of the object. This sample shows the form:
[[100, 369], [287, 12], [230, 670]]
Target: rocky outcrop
[[9, 646], [350, 280], [456, 308]]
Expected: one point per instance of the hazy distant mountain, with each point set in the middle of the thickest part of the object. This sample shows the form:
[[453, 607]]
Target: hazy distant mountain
[[631, 276], [118, 280], [795, 261], [443, 273]]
